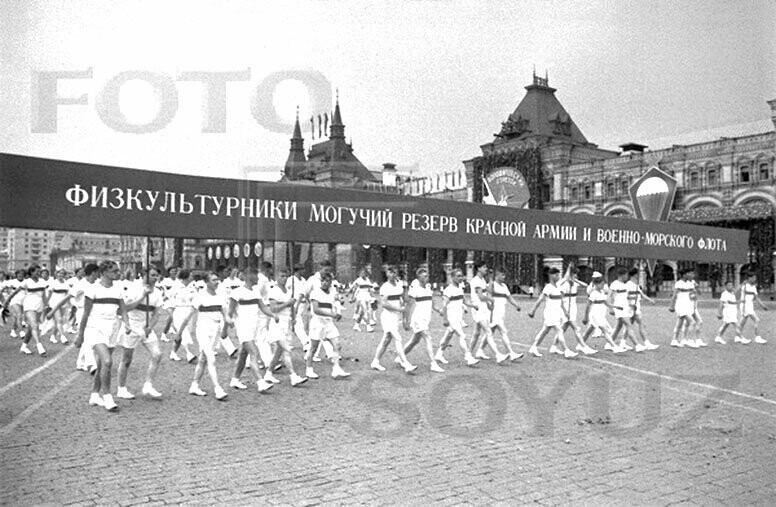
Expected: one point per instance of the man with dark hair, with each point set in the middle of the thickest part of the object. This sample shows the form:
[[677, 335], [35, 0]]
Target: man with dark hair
[[481, 298], [553, 313]]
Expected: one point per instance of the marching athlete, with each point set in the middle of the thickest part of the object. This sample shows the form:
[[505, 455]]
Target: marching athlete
[[322, 328], [728, 314], [33, 304], [360, 291], [392, 299], [58, 290], [501, 296], [595, 314], [452, 316], [623, 312], [553, 315], [748, 297], [569, 290], [103, 307], [143, 303], [419, 309], [482, 300], [14, 302], [635, 295], [208, 309], [683, 305], [183, 294], [282, 303]]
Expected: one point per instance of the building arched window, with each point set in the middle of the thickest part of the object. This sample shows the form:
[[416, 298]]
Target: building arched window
[[624, 185], [694, 180], [588, 192], [610, 190], [574, 193], [744, 172], [764, 173], [712, 177]]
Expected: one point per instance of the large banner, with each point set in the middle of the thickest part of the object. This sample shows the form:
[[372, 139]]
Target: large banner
[[60, 195]]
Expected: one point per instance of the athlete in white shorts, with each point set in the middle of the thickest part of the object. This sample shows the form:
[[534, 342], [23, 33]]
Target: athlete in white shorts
[[452, 317], [14, 304], [282, 303], [635, 295], [481, 298], [748, 297], [553, 315], [58, 291], [103, 307], [245, 305], [569, 285], [208, 309], [595, 314], [33, 303], [419, 308], [623, 312], [143, 302], [500, 294], [322, 328], [728, 314], [392, 316], [683, 305], [361, 294], [182, 296]]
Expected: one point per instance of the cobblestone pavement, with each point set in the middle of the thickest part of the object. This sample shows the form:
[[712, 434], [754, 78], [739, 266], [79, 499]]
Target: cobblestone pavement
[[665, 427]]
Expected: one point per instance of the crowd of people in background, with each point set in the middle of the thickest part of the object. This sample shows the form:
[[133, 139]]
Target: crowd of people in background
[[271, 313]]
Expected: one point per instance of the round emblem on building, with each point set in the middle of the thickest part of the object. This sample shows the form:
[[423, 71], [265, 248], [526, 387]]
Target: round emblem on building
[[210, 253], [218, 252], [505, 186], [227, 251], [246, 250], [257, 249], [236, 251]]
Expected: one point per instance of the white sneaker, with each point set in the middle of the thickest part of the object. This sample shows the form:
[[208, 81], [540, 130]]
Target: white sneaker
[[124, 394], [190, 357], [640, 348], [95, 400], [650, 345], [310, 373], [569, 354], [514, 356], [500, 358], [356, 327], [13, 333], [174, 356], [589, 351], [701, 343], [235, 382], [164, 338], [264, 386], [63, 339], [624, 345], [440, 358], [41, 350], [196, 391], [436, 368], [471, 360], [375, 366], [555, 350], [719, 340], [677, 343], [148, 390], [760, 340], [110, 405], [534, 351], [296, 380], [25, 349], [609, 347], [316, 359], [370, 329], [269, 377], [409, 367], [397, 361], [686, 343], [53, 339], [481, 355], [338, 372], [220, 393], [745, 341], [618, 350], [693, 344]]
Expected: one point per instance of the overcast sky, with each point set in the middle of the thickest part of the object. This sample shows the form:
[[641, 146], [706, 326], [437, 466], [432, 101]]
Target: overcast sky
[[422, 83]]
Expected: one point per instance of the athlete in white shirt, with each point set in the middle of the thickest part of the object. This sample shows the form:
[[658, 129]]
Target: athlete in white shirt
[[33, 304], [683, 305], [262, 286], [167, 286], [103, 307], [14, 304], [569, 285], [361, 293], [392, 316], [728, 314], [296, 286], [595, 314], [58, 290], [419, 308], [181, 299], [143, 302], [553, 315], [748, 297], [500, 294], [322, 328], [282, 302], [452, 318], [480, 298], [623, 312], [208, 309], [635, 295]]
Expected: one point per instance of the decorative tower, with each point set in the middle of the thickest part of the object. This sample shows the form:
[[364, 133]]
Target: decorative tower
[[296, 164]]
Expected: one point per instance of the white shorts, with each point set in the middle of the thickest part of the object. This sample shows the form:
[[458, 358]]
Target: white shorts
[[601, 324], [481, 314], [419, 325], [748, 311], [572, 314], [390, 322], [730, 318], [322, 330], [32, 305], [684, 310], [625, 313], [207, 331], [553, 319], [103, 333], [497, 323], [246, 331], [279, 331], [133, 339]]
